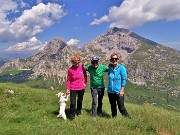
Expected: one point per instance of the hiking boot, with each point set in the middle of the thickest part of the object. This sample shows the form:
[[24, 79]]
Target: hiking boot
[[71, 117], [127, 116], [78, 113], [99, 112]]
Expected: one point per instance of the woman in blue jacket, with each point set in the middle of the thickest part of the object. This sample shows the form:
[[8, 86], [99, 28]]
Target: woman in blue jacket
[[117, 81]]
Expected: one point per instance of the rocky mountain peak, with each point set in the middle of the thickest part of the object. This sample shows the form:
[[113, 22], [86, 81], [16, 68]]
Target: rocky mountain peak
[[52, 50], [55, 45], [116, 29], [117, 40]]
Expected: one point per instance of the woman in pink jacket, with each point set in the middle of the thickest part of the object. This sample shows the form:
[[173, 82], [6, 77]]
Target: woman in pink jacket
[[75, 85]]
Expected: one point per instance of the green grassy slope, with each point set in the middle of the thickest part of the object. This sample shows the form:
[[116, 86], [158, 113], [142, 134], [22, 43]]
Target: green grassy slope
[[159, 68], [33, 111], [141, 94]]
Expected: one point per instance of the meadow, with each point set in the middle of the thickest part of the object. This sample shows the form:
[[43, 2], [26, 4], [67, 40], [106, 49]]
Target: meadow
[[32, 111]]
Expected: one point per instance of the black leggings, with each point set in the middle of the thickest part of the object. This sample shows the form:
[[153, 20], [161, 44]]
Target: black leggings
[[80, 94], [115, 100]]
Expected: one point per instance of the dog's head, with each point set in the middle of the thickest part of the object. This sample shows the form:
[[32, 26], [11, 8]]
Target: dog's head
[[60, 94]]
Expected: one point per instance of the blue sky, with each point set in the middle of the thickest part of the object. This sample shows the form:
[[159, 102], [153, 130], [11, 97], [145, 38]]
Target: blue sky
[[27, 25]]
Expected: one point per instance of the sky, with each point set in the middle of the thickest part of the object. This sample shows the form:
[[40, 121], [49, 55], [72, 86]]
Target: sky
[[27, 25]]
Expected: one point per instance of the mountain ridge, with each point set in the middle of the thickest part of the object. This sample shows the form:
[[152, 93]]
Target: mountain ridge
[[148, 63]]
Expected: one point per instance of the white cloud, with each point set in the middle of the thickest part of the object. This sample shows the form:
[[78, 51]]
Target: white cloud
[[33, 40], [23, 4], [39, 1], [133, 13], [33, 44], [99, 21], [6, 5], [32, 21], [73, 42]]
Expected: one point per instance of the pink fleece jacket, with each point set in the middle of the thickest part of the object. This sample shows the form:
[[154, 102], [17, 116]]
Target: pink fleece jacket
[[76, 78]]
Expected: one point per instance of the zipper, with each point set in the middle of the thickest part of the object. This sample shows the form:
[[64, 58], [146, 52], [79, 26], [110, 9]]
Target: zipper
[[113, 82], [112, 79]]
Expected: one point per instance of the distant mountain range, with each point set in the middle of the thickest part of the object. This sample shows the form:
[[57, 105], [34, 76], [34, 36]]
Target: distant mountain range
[[2, 61], [148, 63], [11, 55]]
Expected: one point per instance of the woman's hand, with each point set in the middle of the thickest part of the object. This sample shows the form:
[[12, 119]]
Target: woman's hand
[[67, 92], [85, 63], [84, 84], [121, 94]]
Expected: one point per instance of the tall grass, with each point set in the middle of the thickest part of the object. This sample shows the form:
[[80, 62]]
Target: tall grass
[[32, 111]]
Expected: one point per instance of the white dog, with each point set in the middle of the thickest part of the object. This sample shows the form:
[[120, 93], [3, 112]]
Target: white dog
[[62, 105], [11, 92]]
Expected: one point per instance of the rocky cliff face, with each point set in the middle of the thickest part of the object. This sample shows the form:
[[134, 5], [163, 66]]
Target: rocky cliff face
[[116, 40], [147, 62], [156, 67], [53, 61]]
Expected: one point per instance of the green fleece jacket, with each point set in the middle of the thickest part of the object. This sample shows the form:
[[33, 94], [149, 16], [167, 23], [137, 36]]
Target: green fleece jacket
[[96, 75]]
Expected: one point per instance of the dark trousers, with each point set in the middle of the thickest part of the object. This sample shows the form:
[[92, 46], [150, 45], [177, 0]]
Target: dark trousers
[[97, 94], [115, 100], [80, 94]]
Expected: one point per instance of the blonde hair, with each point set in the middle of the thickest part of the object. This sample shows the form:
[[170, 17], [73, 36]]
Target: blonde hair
[[115, 54], [75, 57]]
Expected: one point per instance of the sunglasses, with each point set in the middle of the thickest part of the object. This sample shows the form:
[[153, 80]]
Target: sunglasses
[[94, 62], [114, 59], [76, 61]]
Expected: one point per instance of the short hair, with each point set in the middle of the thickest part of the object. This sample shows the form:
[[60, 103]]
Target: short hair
[[75, 57], [115, 54]]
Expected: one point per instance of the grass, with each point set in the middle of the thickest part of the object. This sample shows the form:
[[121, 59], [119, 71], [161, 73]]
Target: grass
[[11, 72], [141, 94], [33, 112], [138, 55]]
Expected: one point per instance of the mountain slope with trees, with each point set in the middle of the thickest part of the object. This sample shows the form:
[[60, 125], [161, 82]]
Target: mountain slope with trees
[[149, 64]]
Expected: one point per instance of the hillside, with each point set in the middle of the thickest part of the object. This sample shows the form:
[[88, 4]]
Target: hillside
[[33, 111], [157, 70], [151, 66], [2, 61]]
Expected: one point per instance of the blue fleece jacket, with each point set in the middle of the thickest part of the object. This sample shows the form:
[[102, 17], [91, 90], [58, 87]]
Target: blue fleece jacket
[[117, 78]]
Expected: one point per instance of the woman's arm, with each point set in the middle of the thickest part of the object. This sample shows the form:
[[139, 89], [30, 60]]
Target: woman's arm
[[68, 82], [85, 75], [123, 80]]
